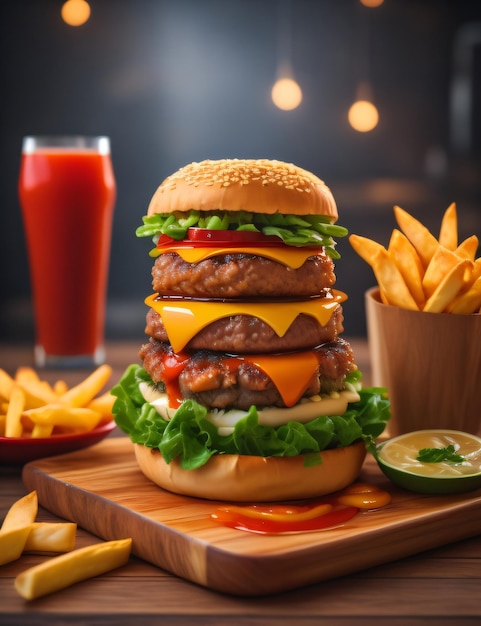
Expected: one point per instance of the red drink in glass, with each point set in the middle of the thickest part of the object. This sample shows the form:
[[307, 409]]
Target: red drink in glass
[[67, 193]]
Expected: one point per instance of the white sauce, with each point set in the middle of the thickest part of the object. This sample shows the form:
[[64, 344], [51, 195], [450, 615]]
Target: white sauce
[[305, 411]]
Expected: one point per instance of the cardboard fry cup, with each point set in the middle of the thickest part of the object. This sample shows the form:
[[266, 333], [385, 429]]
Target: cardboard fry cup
[[430, 364]]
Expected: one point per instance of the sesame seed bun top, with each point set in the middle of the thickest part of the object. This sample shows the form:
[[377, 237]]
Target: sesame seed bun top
[[253, 185]]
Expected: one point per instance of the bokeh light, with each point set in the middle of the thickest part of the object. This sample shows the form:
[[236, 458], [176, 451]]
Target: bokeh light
[[372, 4], [75, 12], [363, 116], [286, 94]]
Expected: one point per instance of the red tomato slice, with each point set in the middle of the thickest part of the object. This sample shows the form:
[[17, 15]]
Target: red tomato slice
[[205, 238]]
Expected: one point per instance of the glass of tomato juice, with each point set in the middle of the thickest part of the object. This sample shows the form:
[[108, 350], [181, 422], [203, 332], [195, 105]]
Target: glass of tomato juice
[[67, 194]]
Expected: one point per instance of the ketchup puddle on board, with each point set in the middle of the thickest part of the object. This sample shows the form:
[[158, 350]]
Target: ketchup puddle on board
[[323, 514]]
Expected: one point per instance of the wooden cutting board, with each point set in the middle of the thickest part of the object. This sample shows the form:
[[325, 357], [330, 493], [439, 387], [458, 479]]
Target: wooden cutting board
[[102, 489]]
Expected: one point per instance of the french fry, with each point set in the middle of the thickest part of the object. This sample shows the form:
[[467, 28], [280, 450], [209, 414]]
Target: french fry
[[22, 513], [442, 263], [448, 288], [467, 249], [85, 392], [391, 281], [421, 238], [102, 404], [468, 302], [60, 387], [51, 537], [13, 419], [26, 374], [6, 385], [77, 419], [448, 234], [37, 392], [31, 407], [365, 248], [12, 543], [442, 276], [16, 527], [409, 264], [67, 569], [42, 431]]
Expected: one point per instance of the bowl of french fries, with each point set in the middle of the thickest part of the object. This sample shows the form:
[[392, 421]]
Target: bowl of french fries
[[424, 324], [39, 419]]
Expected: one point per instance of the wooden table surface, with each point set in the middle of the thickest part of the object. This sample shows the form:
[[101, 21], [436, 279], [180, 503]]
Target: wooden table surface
[[441, 586]]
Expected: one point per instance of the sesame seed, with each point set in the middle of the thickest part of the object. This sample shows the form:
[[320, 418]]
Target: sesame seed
[[230, 171]]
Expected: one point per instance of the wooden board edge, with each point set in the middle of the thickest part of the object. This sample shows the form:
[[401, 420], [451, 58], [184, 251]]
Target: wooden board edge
[[255, 575]]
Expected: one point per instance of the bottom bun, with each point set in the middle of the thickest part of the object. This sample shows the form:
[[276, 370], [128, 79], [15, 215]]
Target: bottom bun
[[238, 478]]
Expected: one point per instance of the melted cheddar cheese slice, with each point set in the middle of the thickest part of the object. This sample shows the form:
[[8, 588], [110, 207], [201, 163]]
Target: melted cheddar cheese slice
[[286, 255], [183, 319]]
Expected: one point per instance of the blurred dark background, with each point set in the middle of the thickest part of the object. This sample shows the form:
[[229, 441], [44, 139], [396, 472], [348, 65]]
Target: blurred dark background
[[174, 81]]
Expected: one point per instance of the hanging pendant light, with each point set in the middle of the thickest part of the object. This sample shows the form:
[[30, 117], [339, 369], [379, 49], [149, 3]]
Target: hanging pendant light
[[75, 12], [363, 115], [286, 93]]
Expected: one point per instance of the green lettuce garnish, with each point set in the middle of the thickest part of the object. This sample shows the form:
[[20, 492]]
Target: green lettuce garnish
[[293, 230], [193, 439]]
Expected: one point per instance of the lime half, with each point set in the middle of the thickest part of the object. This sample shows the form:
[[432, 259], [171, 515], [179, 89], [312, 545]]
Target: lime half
[[398, 460]]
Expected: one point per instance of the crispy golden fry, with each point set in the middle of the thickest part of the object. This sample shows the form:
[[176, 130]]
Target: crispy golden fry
[[409, 264], [103, 404], [13, 420], [73, 567], [37, 392], [41, 431], [421, 238], [441, 264], [22, 512], [467, 249], [391, 281], [16, 527], [12, 543], [468, 302], [476, 273], [85, 392], [78, 419], [448, 289], [448, 234], [6, 385], [47, 408], [365, 248], [60, 387], [51, 537], [441, 276], [26, 374]]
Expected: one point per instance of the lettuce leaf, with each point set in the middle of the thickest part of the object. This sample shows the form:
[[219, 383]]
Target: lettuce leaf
[[293, 230], [193, 439]]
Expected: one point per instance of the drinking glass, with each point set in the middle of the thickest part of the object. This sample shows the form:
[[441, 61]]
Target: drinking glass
[[67, 194]]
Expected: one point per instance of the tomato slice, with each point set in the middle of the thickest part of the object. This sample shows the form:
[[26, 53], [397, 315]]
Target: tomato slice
[[204, 237]]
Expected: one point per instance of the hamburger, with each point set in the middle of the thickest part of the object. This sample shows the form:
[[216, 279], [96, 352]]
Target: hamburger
[[246, 389]]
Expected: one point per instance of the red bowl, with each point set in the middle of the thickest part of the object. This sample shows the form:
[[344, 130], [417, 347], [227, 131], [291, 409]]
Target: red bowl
[[19, 450]]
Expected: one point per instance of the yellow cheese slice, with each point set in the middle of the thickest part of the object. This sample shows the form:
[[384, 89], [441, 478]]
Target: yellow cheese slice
[[288, 255], [183, 319], [290, 373]]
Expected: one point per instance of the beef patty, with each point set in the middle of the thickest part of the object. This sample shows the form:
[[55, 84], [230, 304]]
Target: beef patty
[[243, 334], [214, 381], [241, 276]]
